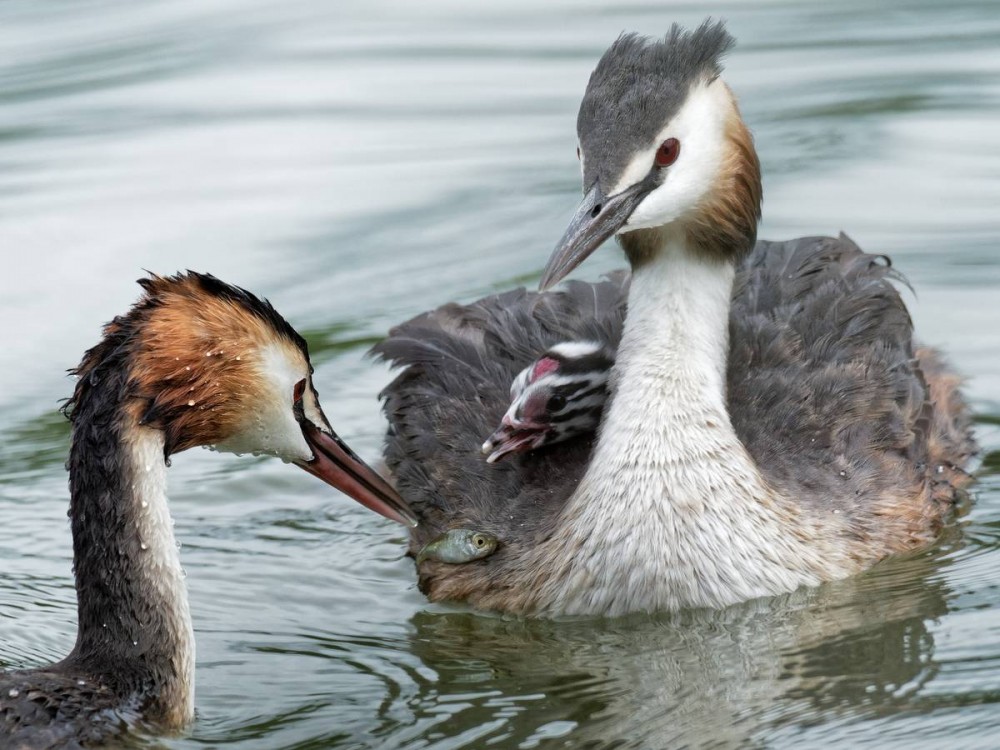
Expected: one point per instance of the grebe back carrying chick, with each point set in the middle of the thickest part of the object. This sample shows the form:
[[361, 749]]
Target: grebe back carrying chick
[[771, 424]]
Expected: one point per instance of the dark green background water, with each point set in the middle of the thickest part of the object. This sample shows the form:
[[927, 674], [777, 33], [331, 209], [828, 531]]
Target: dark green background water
[[359, 162]]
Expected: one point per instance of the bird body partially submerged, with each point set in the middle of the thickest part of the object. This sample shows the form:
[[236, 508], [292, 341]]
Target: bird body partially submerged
[[856, 473], [194, 362], [771, 422]]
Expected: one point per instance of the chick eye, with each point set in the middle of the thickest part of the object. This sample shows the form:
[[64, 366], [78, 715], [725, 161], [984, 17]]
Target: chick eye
[[556, 403], [578, 153], [299, 391], [667, 153]]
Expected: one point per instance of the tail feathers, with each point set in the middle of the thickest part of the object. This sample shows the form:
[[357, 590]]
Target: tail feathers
[[948, 425]]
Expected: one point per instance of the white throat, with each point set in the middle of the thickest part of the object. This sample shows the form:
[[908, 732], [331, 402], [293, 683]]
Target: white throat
[[675, 343], [160, 564], [673, 511]]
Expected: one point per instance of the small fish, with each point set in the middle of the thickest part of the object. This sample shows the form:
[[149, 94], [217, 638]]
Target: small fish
[[458, 546]]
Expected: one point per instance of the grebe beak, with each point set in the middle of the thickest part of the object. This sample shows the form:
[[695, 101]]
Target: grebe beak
[[337, 465], [598, 217], [512, 437]]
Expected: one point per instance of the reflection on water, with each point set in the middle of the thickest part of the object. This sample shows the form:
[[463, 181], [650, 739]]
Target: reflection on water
[[361, 162], [848, 651]]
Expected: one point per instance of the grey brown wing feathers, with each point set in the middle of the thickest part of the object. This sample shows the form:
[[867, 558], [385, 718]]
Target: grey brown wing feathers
[[829, 395], [457, 365]]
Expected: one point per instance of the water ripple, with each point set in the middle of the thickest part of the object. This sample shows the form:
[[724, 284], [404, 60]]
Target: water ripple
[[361, 162]]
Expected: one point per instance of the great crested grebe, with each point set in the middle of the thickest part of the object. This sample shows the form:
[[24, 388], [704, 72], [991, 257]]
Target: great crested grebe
[[194, 362], [771, 423]]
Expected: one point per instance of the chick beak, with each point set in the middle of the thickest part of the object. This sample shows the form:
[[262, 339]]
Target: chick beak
[[513, 437], [598, 217], [337, 465]]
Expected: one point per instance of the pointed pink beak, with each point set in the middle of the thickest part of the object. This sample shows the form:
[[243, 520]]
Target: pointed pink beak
[[337, 465], [513, 437]]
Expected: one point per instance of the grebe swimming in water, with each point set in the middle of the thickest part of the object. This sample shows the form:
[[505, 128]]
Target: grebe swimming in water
[[771, 424], [194, 362]]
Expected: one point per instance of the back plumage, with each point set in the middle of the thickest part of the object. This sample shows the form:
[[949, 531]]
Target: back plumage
[[458, 364], [825, 389], [832, 397]]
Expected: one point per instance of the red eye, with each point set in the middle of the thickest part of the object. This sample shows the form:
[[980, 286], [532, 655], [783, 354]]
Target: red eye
[[299, 391], [668, 152]]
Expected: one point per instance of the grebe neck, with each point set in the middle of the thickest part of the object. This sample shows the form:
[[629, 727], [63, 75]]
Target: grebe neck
[[673, 511], [134, 625]]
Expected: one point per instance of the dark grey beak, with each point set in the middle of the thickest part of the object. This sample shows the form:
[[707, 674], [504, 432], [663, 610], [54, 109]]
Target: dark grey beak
[[597, 218]]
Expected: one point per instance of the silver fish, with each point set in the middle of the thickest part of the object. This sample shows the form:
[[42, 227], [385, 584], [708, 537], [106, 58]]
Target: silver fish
[[458, 546]]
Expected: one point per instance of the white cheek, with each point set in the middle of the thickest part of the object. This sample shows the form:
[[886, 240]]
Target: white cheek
[[679, 195], [700, 128], [270, 426], [272, 430], [312, 410]]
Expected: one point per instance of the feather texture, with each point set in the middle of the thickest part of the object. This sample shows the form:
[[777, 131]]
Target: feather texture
[[826, 390]]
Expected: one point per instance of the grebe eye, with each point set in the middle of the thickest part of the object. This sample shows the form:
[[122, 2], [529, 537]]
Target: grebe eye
[[667, 153], [299, 391], [578, 153], [479, 540]]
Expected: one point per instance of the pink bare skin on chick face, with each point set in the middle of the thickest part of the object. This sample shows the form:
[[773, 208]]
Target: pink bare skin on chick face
[[557, 397]]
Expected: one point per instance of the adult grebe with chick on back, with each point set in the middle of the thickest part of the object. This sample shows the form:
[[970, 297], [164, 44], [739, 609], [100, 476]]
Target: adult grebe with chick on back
[[772, 422]]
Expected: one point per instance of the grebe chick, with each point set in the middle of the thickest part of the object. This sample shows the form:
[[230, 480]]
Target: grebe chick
[[772, 423], [557, 397], [194, 362]]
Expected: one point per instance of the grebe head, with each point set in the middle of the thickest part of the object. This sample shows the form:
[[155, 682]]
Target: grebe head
[[211, 364], [558, 396], [662, 146]]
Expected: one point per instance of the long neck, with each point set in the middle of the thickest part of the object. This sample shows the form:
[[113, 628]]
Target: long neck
[[134, 624], [673, 511], [674, 346]]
